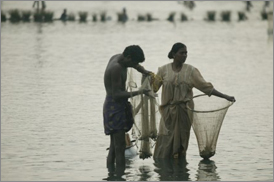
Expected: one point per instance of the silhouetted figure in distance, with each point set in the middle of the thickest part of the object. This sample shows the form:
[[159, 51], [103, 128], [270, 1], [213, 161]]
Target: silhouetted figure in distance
[[64, 15], [37, 3], [124, 15], [248, 5], [266, 6]]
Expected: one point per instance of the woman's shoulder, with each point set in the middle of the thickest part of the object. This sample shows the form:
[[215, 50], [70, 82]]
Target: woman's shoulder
[[190, 69], [189, 66], [164, 66]]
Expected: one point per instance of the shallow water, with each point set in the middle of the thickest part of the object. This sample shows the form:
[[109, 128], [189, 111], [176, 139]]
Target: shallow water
[[52, 92]]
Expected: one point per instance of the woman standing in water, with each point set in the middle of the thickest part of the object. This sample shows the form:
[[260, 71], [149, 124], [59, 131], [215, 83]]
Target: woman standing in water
[[177, 80]]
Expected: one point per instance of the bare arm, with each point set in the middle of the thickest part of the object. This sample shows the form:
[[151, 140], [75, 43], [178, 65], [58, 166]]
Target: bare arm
[[219, 94], [118, 90], [157, 81], [206, 87], [141, 69]]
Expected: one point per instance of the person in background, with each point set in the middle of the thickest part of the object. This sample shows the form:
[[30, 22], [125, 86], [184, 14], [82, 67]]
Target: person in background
[[117, 111], [177, 80], [248, 5], [64, 15], [266, 6], [37, 3], [124, 15]]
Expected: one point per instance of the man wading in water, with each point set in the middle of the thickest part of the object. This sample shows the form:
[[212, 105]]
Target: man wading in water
[[117, 110]]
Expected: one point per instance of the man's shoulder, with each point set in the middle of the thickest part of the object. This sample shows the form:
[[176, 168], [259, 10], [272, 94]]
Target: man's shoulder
[[114, 67], [114, 57]]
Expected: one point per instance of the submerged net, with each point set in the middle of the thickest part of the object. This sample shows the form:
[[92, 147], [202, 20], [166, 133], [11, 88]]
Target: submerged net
[[144, 112], [207, 115]]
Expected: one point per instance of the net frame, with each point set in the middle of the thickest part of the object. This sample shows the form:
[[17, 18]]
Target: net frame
[[207, 139], [230, 104]]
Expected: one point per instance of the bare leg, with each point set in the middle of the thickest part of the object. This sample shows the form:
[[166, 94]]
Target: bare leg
[[120, 146], [111, 155]]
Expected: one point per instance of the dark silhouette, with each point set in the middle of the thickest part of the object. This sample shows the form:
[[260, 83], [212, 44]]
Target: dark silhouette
[[38, 15], [141, 18], [226, 15], [248, 5], [26, 16], [117, 111], [211, 15], [171, 17], [94, 18], [184, 17], [103, 16], [3, 17], [15, 15], [266, 5], [242, 16], [189, 4], [265, 10], [83, 16], [37, 3], [64, 15], [122, 17], [172, 169]]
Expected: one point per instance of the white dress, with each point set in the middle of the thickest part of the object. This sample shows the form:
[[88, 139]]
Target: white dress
[[175, 123]]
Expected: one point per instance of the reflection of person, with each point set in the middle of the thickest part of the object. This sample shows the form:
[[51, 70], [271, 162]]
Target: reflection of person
[[177, 80], [64, 15], [172, 169], [117, 110]]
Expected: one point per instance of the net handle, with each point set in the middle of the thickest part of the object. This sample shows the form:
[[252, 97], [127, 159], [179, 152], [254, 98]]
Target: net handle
[[230, 104]]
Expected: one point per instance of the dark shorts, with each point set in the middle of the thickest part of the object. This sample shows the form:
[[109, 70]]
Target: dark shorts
[[117, 115]]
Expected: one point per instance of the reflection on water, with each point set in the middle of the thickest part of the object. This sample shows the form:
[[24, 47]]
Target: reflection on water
[[172, 169], [145, 173], [167, 170], [161, 170], [113, 177], [207, 171]]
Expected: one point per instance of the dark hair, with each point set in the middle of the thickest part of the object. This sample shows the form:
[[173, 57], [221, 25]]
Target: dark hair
[[175, 48], [135, 52]]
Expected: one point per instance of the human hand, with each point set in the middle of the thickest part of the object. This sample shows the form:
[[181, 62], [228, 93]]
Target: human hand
[[230, 98], [147, 73], [145, 91], [152, 77]]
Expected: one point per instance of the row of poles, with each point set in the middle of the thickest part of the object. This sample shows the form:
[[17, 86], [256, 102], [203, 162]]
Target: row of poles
[[41, 15], [48, 16]]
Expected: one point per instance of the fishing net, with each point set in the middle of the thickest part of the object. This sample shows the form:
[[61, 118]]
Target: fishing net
[[207, 115], [144, 112]]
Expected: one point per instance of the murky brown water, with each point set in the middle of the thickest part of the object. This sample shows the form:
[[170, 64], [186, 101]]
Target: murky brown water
[[52, 94]]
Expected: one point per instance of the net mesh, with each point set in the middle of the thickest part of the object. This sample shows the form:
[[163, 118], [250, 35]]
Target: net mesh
[[144, 111], [207, 115]]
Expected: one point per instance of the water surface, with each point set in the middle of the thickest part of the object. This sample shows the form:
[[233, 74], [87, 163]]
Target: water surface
[[52, 92]]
